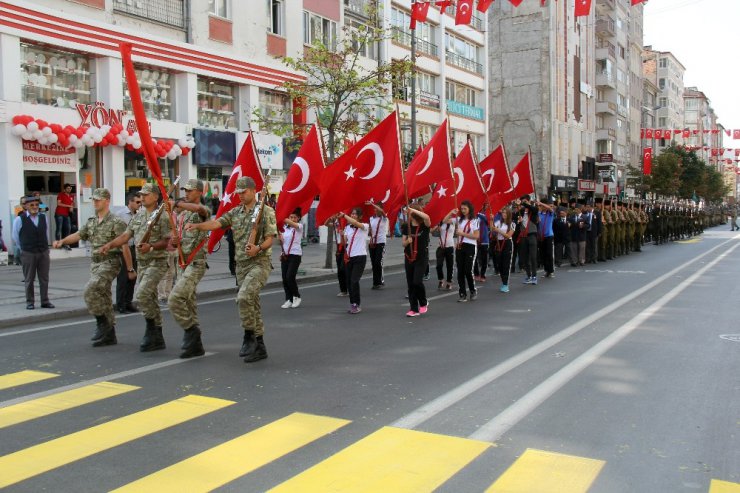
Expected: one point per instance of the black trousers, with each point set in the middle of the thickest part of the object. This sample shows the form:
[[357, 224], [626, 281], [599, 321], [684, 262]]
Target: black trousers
[[547, 252], [415, 282], [481, 263], [124, 285], [465, 257], [591, 248], [528, 254], [505, 257], [354, 269], [341, 271], [445, 257], [376, 261], [36, 264], [562, 253], [289, 271]]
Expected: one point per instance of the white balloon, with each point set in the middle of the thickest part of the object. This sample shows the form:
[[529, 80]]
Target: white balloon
[[33, 126], [37, 134], [91, 131], [171, 155], [105, 129], [53, 138], [43, 141], [28, 136], [178, 150], [19, 130], [97, 137], [137, 144], [46, 131], [77, 144], [73, 138]]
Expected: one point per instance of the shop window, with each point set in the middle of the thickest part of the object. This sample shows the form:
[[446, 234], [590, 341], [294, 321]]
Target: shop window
[[216, 104], [54, 77], [156, 93], [275, 107]]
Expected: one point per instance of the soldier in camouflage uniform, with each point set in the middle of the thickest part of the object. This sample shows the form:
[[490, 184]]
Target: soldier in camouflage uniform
[[633, 228], [253, 262], [98, 230], [152, 260], [642, 219], [191, 266], [603, 237]]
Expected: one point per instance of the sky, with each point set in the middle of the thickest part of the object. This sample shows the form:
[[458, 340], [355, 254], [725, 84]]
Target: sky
[[704, 35]]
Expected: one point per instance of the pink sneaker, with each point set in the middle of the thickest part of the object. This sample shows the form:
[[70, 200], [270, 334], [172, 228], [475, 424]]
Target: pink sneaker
[[423, 309], [412, 313]]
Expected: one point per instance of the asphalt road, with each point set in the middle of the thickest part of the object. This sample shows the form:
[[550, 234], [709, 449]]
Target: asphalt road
[[619, 377]]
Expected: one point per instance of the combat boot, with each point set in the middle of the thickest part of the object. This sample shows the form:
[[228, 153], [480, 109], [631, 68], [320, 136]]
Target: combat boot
[[259, 352], [108, 333], [149, 341], [100, 327], [158, 338], [248, 344], [191, 343]]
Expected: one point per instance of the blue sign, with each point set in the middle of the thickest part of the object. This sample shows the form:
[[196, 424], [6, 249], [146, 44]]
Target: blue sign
[[465, 110], [214, 148]]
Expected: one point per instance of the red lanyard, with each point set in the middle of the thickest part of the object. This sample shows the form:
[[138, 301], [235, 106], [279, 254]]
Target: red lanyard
[[414, 244], [180, 227], [466, 229], [338, 237], [377, 230], [443, 242], [292, 238], [351, 242]]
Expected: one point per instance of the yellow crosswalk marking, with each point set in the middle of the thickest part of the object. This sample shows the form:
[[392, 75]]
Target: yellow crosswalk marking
[[235, 458], [548, 472], [49, 455], [23, 377], [44, 406], [718, 486], [391, 459]]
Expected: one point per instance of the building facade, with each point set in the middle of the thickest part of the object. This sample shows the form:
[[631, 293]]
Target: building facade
[[664, 69]]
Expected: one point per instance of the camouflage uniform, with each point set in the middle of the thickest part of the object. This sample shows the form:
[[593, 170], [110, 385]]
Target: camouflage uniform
[[641, 227], [604, 236], [251, 272], [152, 265], [632, 229], [182, 299]]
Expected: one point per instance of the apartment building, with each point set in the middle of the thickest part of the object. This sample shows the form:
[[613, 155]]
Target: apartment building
[[664, 69]]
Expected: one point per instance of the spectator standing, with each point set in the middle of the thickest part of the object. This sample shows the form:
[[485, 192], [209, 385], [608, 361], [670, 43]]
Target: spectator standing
[[29, 231], [65, 204], [124, 283]]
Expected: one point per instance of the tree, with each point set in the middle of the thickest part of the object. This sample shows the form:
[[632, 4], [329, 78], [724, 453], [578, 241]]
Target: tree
[[678, 172], [666, 175], [349, 91]]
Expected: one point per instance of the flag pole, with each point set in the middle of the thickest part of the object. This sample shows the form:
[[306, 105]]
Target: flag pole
[[400, 145], [452, 168], [531, 172]]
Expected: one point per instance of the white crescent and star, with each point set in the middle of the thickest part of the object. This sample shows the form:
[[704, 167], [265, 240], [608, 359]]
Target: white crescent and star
[[429, 162], [460, 179], [490, 181], [514, 180], [350, 172], [441, 192], [305, 173], [378, 165], [464, 7]]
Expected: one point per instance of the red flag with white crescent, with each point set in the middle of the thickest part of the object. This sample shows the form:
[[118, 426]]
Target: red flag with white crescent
[[483, 5], [647, 160], [419, 11], [583, 8], [464, 12]]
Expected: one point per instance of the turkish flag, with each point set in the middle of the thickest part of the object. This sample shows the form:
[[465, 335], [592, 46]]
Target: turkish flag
[[443, 4], [494, 172], [677, 131], [715, 131], [483, 5], [583, 7], [736, 134], [695, 132], [728, 132], [367, 171], [516, 3], [419, 11], [715, 152], [301, 185], [642, 133], [431, 165], [737, 152], [648, 133], [247, 164], [522, 183], [658, 133], [706, 131], [464, 12], [686, 134], [647, 160], [635, 2]]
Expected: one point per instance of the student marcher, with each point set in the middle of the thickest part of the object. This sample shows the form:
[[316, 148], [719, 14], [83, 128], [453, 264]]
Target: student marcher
[[415, 238], [290, 258]]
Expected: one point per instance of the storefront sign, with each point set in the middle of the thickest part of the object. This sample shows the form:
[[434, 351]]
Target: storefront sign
[[465, 110], [608, 173], [270, 151], [38, 157], [97, 115], [586, 186], [606, 158], [564, 183]]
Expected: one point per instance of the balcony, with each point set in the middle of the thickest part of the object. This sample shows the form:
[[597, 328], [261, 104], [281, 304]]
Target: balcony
[[464, 63], [476, 22], [605, 50], [606, 107], [606, 79], [423, 98], [623, 111], [403, 38], [605, 27], [462, 109], [356, 7], [606, 134], [606, 4], [168, 12]]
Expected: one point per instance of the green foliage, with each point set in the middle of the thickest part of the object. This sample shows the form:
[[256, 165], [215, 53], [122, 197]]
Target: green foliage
[[680, 173]]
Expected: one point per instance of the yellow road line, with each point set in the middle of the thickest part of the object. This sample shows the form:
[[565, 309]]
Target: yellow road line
[[55, 453], [23, 377], [391, 459], [718, 486], [44, 406], [548, 472], [217, 466]]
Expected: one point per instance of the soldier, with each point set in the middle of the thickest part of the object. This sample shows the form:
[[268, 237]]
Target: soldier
[[152, 261], [253, 264], [191, 266], [642, 219], [99, 230], [605, 220], [633, 228]]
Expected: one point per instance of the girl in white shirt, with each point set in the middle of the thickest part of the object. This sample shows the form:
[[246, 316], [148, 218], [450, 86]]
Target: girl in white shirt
[[355, 256], [290, 258], [467, 247], [378, 231], [504, 247], [446, 252]]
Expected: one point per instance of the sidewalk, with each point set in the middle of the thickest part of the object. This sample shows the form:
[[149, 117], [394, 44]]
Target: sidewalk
[[70, 271]]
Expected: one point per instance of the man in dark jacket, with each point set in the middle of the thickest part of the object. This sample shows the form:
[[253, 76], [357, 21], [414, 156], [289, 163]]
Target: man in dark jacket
[[29, 231], [578, 231], [561, 231]]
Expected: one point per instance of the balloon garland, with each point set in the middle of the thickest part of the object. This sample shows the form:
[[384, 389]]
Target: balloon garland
[[31, 129]]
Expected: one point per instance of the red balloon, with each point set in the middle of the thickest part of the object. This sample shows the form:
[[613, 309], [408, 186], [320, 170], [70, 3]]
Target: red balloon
[[113, 140], [42, 124], [55, 127], [17, 120]]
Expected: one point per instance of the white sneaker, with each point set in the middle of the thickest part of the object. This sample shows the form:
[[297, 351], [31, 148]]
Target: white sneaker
[[287, 304], [296, 302]]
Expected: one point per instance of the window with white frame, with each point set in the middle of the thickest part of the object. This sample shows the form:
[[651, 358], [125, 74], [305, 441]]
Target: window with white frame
[[276, 17], [275, 107], [663, 63], [319, 29], [358, 31], [455, 91], [219, 8]]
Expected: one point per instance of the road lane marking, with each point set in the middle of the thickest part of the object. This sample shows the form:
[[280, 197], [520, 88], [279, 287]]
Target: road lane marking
[[717, 486], [455, 395], [106, 378], [391, 459], [46, 456], [548, 472], [24, 377], [226, 462], [495, 428], [61, 401]]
